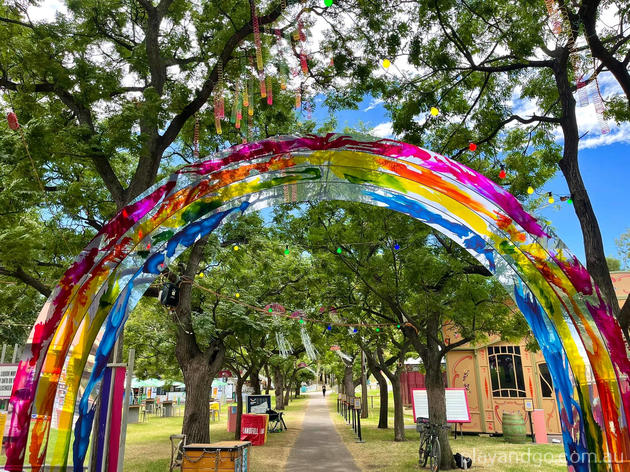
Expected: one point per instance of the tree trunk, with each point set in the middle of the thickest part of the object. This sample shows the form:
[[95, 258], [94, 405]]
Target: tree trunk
[[436, 398], [268, 384], [399, 418], [239, 407], [348, 381], [287, 394], [254, 379], [198, 379], [278, 381], [383, 414], [569, 165], [364, 391]]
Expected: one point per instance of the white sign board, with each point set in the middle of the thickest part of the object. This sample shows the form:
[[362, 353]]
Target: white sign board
[[7, 375], [456, 405]]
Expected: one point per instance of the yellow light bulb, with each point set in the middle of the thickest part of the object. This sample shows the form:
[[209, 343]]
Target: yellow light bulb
[[236, 248], [201, 275], [530, 189], [386, 63], [237, 294], [551, 200], [434, 111]]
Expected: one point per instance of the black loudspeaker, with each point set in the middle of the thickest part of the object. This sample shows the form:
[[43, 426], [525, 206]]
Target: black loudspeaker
[[169, 295]]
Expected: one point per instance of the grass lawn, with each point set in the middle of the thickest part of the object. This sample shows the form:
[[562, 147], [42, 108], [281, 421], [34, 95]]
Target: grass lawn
[[149, 449], [381, 453]]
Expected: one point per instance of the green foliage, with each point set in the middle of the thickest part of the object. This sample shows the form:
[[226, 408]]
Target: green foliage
[[613, 264], [623, 248]]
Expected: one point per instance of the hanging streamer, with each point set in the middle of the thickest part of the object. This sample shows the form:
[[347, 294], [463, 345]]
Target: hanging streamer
[[259, 58], [250, 107], [196, 138], [263, 87], [283, 345], [235, 102], [311, 352], [344, 356], [298, 98], [245, 94], [599, 107], [269, 90], [582, 93]]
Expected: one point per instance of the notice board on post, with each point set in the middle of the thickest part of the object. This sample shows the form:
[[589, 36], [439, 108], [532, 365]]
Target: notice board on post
[[456, 405], [258, 403]]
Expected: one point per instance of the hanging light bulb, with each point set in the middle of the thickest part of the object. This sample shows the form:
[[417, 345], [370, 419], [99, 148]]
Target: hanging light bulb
[[329, 328], [328, 3], [530, 189], [396, 246], [386, 63], [355, 330], [550, 199], [270, 310], [502, 174], [338, 250], [434, 111], [570, 200], [301, 321], [286, 250], [378, 330], [472, 146], [398, 326], [236, 247], [237, 295]]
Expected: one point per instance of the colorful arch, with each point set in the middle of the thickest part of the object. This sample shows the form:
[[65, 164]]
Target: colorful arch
[[582, 343]]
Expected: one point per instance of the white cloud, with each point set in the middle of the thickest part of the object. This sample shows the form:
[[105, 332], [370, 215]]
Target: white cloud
[[383, 130], [373, 104], [620, 134], [46, 11]]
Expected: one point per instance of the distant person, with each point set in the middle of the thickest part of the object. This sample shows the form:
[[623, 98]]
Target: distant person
[[324, 390]]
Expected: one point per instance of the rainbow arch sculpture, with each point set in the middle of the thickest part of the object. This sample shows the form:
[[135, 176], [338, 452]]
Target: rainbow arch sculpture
[[581, 342]]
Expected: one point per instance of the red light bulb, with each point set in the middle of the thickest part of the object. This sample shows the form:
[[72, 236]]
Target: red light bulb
[[472, 146]]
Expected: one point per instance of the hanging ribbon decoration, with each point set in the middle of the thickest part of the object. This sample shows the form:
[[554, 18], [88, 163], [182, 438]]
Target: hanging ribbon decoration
[[196, 138], [219, 104], [257, 41]]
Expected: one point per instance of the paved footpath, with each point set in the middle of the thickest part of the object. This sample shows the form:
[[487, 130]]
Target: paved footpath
[[319, 447]]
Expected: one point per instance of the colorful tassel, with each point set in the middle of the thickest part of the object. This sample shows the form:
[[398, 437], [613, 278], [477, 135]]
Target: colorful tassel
[[257, 42], [582, 93], [250, 109], [263, 87], [269, 91], [303, 62], [196, 138], [298, 98]]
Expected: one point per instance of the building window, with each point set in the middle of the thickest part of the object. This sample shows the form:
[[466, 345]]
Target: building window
[[546, 384], [506, 371]]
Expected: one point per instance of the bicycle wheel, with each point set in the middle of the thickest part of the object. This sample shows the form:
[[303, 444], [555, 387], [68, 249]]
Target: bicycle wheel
[[435, 456], [424, 449]]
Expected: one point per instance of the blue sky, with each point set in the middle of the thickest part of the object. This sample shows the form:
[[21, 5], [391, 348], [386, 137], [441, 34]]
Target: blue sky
[[604, 167]]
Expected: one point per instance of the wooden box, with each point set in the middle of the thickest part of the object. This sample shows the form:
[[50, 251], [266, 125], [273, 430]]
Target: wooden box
[[223, 456]]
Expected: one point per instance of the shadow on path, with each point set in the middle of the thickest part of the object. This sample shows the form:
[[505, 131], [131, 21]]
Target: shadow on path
[[319, 447]]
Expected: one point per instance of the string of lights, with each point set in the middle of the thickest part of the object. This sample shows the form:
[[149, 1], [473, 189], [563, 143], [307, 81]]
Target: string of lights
[[301, 318]]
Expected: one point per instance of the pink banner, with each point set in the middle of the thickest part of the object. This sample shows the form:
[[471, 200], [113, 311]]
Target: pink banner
[[114, 432]]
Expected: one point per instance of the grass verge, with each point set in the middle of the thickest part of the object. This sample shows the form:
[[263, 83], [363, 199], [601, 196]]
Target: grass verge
[[380, 453]]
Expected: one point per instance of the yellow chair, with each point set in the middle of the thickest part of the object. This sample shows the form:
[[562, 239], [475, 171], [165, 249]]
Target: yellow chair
[[215, 410]]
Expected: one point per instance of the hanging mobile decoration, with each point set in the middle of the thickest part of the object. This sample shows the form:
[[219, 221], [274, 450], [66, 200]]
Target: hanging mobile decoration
[[311, 352], [344, 356], [298, 97], [235, 102], [245, 94], [269, 90], [599, 107], [219, 103], [250, 101], [239, 113], [250, 125], [257, 42], [263, 86], [196, 138], [309, 110], [582, 93]]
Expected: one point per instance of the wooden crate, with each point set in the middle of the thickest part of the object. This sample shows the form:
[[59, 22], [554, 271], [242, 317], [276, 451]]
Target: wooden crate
[[223, 456]]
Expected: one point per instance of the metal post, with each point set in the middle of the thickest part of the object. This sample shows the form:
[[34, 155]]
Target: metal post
[[123, 432], [359, 429], [15, 350], [531, 426]]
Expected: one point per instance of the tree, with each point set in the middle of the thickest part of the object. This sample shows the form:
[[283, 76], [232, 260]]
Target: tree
[[478, 63], [623, 247], [404, 274], [613, 264], [107, 96]]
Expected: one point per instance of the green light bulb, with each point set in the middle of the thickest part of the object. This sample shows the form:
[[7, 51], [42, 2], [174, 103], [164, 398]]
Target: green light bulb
[[378, 330], [270, 310], [338, 250], [301, 321]]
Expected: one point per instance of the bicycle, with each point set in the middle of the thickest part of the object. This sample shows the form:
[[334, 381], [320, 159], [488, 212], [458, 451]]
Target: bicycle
[[429, 450]]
